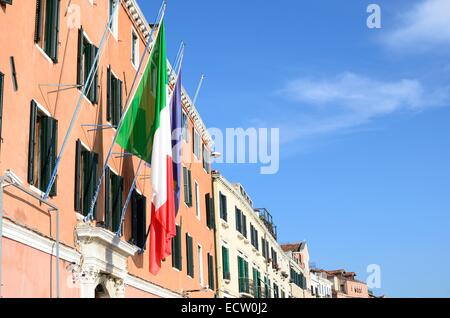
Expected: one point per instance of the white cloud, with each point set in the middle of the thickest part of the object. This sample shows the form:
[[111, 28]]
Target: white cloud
[[349, 100], [424, 27]]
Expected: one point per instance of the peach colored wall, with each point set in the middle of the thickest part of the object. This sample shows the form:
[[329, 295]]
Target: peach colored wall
[[131, 292], [30, 273], [33, 71]]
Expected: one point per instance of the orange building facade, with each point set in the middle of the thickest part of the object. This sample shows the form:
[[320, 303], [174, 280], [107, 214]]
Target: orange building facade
[[45, 58]]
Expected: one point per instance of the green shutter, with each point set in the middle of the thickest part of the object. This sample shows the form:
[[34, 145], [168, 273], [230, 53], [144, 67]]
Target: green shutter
[[108, 180], [210, 215], [240, 273], [32, 143], [77, 192], [38, 21], [211, 272], [190, 187], [94, 181], [185, 185], [176, 248], [109, 88], [190, 256], [49, 17], [118, 102], [48, 144], [142, 222], [80, 66], [225, 263], [117, 187]]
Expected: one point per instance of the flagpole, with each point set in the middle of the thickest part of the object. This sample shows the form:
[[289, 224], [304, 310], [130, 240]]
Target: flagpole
[[178, 62], [86, 87], [178, 74], [159, 19]]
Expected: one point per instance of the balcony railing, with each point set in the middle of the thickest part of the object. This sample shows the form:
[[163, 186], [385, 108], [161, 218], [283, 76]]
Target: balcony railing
[[248, 289], [267, 219]]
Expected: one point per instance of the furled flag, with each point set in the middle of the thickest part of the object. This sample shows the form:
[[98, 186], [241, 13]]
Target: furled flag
[[176, 140], [162, 227]]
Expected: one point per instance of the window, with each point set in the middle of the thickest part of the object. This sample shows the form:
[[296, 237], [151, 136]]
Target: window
[[241, 222], [210, 272], [276, 291], [197, 144], [223, 207], [113, 200], [47, 27], [190, 255], [187, 186], [86, 178], [1, 104], [243, 275], [283, 294], [197, 200], [87, 53], [114, 98], [42, 148], [210, 215], [176, 250], [200, 265], [114, 25], [138, 219], [254, 237], [185, 127], [226, 263], [134, 49], [206, 160]]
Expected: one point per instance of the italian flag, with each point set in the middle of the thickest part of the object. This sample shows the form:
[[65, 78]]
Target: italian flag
[[146, 132]]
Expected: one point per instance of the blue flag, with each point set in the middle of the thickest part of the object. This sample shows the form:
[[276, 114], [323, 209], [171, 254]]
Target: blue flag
[[176, 140]]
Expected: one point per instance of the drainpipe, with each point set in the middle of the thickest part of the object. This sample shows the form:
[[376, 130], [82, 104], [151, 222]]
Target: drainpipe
[[10, 180]]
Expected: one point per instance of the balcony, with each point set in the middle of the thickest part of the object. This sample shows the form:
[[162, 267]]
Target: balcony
[[248, 289], [267, 219]]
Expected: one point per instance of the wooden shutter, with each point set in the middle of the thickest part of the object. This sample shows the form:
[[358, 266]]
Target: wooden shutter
[[94, 181], [38, 21], [55, 38], [109, 94], [210, 217], [176, 247], [142, 222], [211, 272], [32, 143], [48, 144], [225, 262], [117, 186], [190, 187], [80, 66], [190, 256], [77, 191], [118, 101], [185, 185], [108, 198]]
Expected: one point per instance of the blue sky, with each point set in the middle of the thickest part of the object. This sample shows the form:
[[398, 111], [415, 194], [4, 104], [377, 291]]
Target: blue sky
[[365, 158]]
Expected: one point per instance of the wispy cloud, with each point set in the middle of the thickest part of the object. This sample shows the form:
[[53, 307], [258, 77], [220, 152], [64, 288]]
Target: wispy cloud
[[349, 100], [425, 27]]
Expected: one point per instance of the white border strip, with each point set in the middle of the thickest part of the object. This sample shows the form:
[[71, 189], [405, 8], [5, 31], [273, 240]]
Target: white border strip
[[27, 237], [150, 288]]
